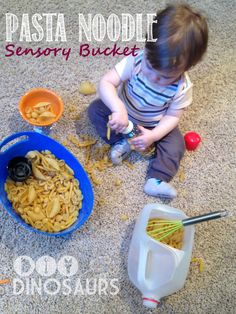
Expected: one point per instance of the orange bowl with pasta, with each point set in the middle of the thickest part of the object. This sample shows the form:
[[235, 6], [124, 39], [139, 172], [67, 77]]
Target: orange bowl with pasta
[[41, 107]]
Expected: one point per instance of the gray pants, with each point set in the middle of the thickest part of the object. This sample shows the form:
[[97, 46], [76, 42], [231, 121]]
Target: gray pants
[[169, 150]]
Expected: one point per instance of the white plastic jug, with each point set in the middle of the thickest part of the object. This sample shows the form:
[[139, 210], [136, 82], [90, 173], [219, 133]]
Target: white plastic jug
[[157, 269]]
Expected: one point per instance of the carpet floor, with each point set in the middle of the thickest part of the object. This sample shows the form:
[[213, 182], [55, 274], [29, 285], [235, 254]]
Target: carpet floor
[[205, 182]]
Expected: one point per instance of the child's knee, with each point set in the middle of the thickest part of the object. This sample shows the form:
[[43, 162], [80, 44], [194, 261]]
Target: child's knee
[[97, 110], [181, 144], [177, 144]]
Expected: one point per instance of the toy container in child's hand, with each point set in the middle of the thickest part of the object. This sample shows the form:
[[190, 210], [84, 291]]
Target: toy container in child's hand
[[132, 131], [41, 107], [155, 268]]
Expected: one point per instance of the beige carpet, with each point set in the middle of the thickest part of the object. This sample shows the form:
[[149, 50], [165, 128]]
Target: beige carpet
[[101, 246]]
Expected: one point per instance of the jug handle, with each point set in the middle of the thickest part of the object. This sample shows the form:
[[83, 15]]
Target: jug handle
[[143, 254]]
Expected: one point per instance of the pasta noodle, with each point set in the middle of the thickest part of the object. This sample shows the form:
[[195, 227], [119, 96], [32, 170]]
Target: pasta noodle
[[199, 261], [87, 88], [108, 128], [108, 132], [50, 199], [40, 112]]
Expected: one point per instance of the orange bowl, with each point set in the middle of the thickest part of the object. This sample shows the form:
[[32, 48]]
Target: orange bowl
[[39, 95]]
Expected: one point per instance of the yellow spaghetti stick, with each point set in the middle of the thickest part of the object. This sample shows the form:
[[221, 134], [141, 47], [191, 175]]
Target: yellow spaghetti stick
[[200, 265], [108, 132], [108, 129]]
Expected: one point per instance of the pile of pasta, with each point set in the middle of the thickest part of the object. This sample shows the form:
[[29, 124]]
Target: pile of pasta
[[96, 158], [50, 199], [41, 112], [175, 239]]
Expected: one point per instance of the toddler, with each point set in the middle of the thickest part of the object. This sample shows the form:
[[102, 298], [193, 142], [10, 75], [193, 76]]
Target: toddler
[[152, 90]]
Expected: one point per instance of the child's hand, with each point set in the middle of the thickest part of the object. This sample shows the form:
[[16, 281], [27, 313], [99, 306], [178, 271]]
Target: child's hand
[[144, 140], [119, 121]]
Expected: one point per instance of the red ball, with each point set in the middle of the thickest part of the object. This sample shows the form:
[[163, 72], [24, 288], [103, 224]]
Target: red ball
[[192, 140]]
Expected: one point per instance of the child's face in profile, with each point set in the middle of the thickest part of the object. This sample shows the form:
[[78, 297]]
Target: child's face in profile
[[162, 78]]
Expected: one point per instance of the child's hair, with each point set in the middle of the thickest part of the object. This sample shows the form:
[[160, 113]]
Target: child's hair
[[182, 37]]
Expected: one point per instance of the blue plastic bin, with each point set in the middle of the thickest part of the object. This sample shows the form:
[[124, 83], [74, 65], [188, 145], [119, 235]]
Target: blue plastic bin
[[27, 141]]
